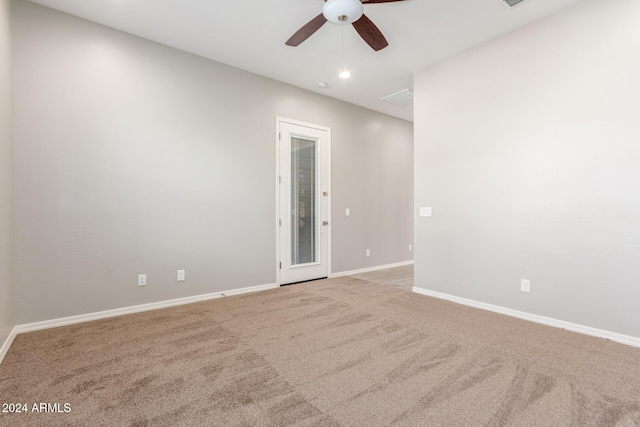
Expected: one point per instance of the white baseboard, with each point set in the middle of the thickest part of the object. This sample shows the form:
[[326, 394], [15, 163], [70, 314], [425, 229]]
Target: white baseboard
[[7, 343], [574, 327], [240, 291], [64, 321], [369, 269]]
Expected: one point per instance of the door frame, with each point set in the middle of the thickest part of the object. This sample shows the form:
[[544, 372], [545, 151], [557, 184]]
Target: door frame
[[326, 129]]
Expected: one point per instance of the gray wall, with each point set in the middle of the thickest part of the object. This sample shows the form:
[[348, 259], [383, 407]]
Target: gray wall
[[132, 157], [528, 150], [7, 319]]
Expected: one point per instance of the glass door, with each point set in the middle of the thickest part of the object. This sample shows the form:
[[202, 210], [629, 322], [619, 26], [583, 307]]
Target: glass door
[[303, 206]]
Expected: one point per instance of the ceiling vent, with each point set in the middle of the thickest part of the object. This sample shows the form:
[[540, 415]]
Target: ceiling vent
[[512, 3], [404, 98]]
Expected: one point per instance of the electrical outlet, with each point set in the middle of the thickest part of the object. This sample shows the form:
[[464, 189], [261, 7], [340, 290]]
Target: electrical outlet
[[180, 275], [368, 252], [347, 212], [142, 280], [525, 285]]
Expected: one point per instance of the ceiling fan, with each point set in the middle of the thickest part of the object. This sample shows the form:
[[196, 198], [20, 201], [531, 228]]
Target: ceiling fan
[[343, 12]]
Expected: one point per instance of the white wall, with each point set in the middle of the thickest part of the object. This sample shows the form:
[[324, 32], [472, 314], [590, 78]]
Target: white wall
[[132, 157], [528, 150], [7, 318]]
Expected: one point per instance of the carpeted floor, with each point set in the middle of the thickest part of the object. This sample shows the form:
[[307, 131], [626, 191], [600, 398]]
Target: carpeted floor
[[337, 352]]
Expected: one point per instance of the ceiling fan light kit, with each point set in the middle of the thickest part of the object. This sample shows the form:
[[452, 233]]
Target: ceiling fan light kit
[[342, 12]]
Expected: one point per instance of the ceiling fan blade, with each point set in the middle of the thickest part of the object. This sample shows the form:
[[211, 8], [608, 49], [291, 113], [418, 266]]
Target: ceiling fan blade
[[306, 31], [378, 1], [370, 33]]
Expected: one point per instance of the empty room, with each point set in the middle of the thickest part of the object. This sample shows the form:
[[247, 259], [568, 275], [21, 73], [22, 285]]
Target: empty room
[[320, 213]]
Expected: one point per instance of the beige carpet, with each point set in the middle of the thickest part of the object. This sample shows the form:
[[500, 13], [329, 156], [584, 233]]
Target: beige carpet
[[338, 352]]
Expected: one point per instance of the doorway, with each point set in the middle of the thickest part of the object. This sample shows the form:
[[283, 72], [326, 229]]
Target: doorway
[[303, 205]]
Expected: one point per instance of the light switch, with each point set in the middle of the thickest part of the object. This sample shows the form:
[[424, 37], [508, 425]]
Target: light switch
[[425, 211], [347, 212]]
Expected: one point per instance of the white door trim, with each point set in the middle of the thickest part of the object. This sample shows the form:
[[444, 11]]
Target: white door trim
[[280, 120]]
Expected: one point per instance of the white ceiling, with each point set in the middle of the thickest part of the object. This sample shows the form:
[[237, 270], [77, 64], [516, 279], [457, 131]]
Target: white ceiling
[[250, 35]]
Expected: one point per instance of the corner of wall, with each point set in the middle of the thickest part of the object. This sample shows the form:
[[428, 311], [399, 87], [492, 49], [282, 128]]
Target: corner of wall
[[7, 268]]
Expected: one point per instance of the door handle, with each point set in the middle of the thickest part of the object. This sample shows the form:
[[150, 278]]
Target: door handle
[[325, 222]]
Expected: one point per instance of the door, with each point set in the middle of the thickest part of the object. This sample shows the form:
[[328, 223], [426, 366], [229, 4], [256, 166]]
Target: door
[[303, 192]]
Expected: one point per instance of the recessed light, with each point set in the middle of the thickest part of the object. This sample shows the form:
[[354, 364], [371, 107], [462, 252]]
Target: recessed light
[[323, 85]]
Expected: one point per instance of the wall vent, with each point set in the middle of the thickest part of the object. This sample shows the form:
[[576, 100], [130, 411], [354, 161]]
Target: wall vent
[[404, 98], [512, 3]]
